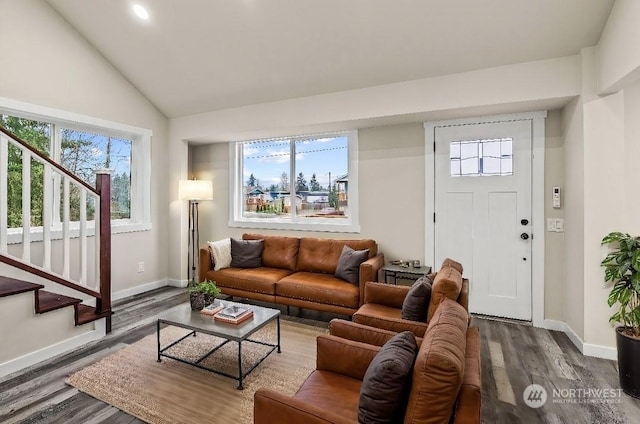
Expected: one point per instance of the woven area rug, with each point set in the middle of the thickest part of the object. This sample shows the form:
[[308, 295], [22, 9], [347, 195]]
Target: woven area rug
[[171, 392]]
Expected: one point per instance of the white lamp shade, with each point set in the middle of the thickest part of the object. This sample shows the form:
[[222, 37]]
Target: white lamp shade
[[195, 190]]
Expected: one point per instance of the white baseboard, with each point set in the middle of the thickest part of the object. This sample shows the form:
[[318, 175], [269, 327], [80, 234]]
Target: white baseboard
[[177, 283], [121, 294], [586, 349], [550, 324], [49, 352], [598, 351]]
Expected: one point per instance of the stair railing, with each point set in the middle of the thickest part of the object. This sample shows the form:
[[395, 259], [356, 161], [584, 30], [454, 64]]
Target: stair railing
[[97, 285]]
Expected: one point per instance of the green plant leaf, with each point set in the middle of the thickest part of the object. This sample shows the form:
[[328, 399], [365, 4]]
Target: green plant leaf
[[612, 237]]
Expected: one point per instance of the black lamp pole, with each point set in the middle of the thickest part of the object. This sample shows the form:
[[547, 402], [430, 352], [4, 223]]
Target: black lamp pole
[[194, 241]]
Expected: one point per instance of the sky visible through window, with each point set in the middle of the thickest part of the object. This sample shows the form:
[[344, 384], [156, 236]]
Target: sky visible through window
[[268, 160]]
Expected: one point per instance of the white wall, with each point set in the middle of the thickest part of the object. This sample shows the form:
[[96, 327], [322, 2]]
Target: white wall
[[573, 196], [391, 175], [618, 55], [482, 90], [46, 62], [554, 249]]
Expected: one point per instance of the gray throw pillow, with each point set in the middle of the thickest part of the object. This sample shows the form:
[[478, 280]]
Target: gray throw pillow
[[349, 264], [416, 303], [386, 384], [246, 253]]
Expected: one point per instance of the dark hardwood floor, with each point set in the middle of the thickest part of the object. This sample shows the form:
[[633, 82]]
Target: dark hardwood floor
[[513, 357]]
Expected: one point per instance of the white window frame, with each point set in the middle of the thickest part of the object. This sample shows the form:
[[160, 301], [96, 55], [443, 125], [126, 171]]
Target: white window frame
[[351, 224], [140, 219]]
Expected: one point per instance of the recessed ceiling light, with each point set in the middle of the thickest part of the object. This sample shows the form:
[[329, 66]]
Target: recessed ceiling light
[[140, 12]]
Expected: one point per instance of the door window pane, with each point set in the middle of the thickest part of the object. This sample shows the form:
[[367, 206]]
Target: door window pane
[[481, 157]]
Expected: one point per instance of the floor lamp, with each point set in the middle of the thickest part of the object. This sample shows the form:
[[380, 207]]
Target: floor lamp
[[194, 191]]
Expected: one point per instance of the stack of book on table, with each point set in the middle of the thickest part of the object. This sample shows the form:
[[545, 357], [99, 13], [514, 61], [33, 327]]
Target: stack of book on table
[[234, 314], [212, 309]]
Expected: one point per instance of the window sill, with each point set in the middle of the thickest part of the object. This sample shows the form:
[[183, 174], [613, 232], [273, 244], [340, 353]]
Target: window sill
[[347, 227], [14, 235]]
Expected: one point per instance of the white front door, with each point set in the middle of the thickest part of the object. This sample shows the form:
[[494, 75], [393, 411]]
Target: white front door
[[483, 212]]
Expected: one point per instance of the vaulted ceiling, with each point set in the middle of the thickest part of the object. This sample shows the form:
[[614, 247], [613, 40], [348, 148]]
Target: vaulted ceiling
[[195, 56]]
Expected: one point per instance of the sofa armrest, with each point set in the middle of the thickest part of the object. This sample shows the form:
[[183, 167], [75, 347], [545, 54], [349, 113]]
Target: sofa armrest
[[270, 406], [369, 272], [205, 263], [361, 333], [463, 297], [468, 407], [345, 357], [397, 325], [385, 294]]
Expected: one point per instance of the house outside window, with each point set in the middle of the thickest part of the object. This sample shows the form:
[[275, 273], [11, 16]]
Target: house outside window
[[316, 190], [81, 145]]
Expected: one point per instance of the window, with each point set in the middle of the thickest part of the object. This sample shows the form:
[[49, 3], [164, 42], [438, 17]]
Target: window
[[81, 145], [316, 190], [481, 157], [82, 152]]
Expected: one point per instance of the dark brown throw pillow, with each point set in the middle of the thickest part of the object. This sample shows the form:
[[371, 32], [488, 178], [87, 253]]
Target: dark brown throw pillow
[[416, 304], [246, 253], [349, 264], [386, 384]]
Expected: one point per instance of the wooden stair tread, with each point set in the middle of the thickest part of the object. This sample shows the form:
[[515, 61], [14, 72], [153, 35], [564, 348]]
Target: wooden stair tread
[[47, 301], [86, 314], [9, 286]]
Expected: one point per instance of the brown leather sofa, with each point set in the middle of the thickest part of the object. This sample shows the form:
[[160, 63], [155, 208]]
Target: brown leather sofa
[[382, 307], [445, 386], [298, 272]]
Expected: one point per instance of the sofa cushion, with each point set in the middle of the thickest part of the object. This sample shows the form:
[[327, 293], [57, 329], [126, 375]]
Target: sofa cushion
[[448, 262], [439, 366], [278, 252], [384, 390], [332, 392], [246, 253], [416, 302], [321, 255], [258, 280], [220, 253], [349, 264], [447, 284], [321, 288]]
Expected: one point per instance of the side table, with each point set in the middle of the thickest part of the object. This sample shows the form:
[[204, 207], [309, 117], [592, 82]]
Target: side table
[[399, 272]]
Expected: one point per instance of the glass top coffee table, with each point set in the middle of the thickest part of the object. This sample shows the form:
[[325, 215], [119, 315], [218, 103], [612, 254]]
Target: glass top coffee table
[[182, 316]]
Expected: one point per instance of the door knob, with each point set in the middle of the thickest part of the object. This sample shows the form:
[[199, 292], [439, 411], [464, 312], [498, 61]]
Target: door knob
[[524, 221], [524, 236]]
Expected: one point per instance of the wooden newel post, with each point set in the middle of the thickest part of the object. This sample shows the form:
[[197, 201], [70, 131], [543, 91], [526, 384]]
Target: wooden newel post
[[103, 185]]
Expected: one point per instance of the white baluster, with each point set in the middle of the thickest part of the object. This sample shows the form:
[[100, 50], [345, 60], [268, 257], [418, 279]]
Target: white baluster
[[4, 211], [66, 254], [46, 218], [83, 236], [96, 218], [26, 205]]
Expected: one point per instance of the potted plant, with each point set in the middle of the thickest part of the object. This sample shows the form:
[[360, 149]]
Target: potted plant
[[622, 268], [202, 294]]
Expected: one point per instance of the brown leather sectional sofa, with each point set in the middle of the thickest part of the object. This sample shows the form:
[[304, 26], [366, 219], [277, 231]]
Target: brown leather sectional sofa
[[298, 272], [382, 306], [445, 385]]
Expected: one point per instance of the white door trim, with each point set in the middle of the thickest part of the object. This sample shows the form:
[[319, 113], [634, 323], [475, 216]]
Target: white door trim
[[537, 197]]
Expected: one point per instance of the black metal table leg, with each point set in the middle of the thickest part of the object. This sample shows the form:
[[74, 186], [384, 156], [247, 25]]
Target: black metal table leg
[[278, 334], [158, 327], [240, 387]]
